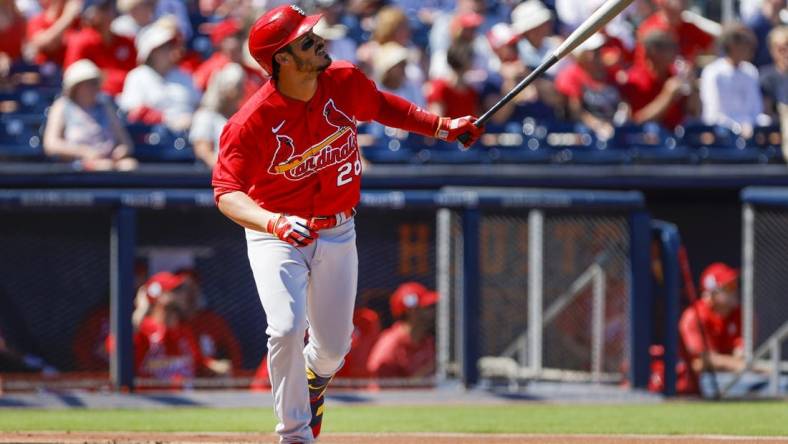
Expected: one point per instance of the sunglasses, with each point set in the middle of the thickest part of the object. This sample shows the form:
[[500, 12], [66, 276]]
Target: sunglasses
[[308, 42]]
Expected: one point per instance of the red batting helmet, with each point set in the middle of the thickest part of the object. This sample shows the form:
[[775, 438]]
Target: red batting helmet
[[275, 29]]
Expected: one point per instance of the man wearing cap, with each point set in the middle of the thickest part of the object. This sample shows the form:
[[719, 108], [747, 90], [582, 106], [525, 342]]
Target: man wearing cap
[[533, 22], [228, 48], [289, 172], [114, 54], [711, 331], [407, 348]]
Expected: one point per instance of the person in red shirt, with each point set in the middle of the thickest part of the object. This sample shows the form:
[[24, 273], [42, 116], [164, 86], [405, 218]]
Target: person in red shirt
[[214, 335], [656, 90], [49, 32], [289, 171], [12, 28], [407, 348], [115, 55], [165, 347], [711, 329], [227, 39], [452, 96], [691, 39], [592, 99]]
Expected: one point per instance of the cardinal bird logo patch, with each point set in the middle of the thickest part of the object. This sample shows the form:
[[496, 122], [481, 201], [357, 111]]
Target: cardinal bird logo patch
[[335, 148]]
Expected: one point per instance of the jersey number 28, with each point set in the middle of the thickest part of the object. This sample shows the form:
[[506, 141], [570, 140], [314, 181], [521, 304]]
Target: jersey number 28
[[347, 171]]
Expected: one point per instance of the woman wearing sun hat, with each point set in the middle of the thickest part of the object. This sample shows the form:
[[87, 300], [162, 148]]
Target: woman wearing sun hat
[[83, 126]]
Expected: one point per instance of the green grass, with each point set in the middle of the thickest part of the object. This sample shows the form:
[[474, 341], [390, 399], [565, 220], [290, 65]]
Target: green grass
[[758, 419]]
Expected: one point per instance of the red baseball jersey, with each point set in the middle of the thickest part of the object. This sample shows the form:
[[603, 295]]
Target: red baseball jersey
[[396, 355], [166, 352], [296, 157]]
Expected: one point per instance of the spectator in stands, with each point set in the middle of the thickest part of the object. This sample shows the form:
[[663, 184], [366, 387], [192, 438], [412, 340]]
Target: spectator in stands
[[534, 23], [214, 335], [729, 88], [391, 25], [591, 98], [407, 348], [539, 100], [710, 328], [113, 54], [177, 11], [226, 37], [682, 26], [766, 19], [165, 347], [49, 32], [82, 124], [774, 77], [465, 29], [219, 102], [655, 89], [158, 91], [12, 28], [338, 44], [135, 15], [452, 96], [389, 71]]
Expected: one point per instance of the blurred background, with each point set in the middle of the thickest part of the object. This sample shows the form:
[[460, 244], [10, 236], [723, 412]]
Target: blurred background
[[116, 271]]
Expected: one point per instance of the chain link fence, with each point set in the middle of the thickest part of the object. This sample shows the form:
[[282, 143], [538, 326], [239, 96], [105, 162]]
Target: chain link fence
[[570, 268]]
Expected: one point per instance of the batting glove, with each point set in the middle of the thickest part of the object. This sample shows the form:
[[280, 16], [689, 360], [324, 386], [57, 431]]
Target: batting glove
[[291, 229], [450, 129]]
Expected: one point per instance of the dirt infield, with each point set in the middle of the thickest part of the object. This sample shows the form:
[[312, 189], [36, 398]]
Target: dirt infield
[[399, 438]]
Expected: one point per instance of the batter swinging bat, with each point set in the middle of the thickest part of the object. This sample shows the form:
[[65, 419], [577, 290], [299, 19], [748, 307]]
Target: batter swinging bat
[[598, 19]]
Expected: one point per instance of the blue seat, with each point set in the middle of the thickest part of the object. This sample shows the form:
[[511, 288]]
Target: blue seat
[[44, 75], [768, 140], [389, 150], [571, 142], [19, 140], [430, 150], [514, 147], [28, 100], [157, 143], [718, 144], [650, 143]]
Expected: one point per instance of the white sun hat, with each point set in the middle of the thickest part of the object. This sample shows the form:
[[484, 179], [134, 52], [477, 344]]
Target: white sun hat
[[78, 72], [528, 15], [152, 37], [388, 56]]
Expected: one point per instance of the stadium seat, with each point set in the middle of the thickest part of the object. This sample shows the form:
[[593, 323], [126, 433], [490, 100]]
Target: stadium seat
[[571, 142], [650, 143], [20, 139], [514, 147], [28, 99], [768, 140], [388, 150], [46, 75], [157, 143], [430, 150], [718, 144]]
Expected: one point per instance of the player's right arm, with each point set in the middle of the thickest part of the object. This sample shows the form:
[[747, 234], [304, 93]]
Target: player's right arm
[[233, 174]]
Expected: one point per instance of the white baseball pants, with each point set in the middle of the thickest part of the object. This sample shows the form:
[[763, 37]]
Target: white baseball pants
[[312, 286]]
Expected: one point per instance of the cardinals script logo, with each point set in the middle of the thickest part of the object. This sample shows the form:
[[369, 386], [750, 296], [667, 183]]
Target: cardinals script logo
[[335, 148]]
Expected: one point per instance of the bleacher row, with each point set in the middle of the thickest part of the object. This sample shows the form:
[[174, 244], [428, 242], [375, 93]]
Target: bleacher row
[[23, 116]]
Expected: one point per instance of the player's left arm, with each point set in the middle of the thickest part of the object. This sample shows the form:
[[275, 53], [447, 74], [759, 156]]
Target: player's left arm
[[396, 112]]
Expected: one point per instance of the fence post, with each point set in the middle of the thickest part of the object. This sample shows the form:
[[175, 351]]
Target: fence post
[[748, 279], [443, 327], [471, 294], [640, 298], [535, 290], [122, 241], [670, 241]]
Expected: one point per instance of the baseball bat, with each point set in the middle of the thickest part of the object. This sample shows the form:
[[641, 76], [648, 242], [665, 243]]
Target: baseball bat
[[598, 19]]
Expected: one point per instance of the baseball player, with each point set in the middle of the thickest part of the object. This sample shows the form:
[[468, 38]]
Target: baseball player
[[289, 172]]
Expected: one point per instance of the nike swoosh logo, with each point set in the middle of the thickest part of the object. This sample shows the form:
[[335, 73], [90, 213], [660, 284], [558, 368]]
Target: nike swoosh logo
[[277, 128]]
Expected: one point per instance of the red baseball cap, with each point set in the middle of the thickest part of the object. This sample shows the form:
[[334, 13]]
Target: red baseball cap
[[224, 29], [717, 275], [466, 20], [162, 282], [410, 295], [275, 30]]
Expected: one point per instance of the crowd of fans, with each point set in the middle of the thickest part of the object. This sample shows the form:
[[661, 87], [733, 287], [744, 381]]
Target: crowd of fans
[[183, 65]]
